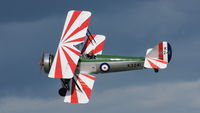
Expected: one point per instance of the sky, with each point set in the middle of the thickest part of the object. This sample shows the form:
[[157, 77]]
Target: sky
[[28, 27]]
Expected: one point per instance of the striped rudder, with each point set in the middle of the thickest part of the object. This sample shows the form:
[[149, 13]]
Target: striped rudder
[[159, 56]]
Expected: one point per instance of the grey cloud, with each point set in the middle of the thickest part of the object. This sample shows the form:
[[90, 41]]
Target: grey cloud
[[155, 98]]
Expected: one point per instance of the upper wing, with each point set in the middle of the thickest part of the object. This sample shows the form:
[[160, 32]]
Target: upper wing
[[95, 44], [80, 88], [67, 56]]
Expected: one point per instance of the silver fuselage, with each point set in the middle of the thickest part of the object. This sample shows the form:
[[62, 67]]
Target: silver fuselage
[[107, 63]]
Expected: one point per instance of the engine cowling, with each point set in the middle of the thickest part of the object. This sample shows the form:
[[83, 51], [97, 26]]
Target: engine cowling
[[48, 59], [46, 62]]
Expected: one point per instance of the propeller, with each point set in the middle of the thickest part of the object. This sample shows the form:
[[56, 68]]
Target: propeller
[[42, 61]]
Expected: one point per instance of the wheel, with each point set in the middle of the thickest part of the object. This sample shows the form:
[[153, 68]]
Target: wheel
[[62, 92]]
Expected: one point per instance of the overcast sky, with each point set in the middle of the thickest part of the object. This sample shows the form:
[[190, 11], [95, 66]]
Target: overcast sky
[[27, 27]]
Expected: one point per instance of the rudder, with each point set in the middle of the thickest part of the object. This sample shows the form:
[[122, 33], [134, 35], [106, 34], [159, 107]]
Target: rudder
[[159, 56]]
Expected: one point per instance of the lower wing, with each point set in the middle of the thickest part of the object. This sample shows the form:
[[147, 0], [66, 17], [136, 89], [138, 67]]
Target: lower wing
[[80, 88]]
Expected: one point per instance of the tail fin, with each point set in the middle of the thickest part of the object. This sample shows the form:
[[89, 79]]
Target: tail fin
[[80, 88], [159, 56]]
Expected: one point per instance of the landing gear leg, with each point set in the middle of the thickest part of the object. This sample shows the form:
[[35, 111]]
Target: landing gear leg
[[62, 91]]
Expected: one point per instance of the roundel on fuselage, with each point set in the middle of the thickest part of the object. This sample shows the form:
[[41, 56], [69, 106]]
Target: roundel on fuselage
[[104, 67]]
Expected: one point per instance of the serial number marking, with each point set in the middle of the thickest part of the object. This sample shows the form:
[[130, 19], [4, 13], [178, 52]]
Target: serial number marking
[[134, 65]]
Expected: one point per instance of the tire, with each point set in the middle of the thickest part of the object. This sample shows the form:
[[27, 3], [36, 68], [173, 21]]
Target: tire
[[62, 92]]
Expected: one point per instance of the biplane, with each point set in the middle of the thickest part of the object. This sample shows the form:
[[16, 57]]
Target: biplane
[[73, 64]]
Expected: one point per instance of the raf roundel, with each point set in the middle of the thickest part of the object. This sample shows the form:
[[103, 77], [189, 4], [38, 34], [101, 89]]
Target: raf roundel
[[104, 67]]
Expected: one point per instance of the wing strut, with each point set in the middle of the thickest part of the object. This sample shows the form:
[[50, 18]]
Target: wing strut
[[88, 31], [76, 84], [80, 88]]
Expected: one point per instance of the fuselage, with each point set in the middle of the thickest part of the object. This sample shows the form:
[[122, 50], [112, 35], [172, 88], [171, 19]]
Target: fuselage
[[108, 63]]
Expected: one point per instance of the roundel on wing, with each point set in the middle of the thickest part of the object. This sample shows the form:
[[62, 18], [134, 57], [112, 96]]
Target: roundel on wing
[[104, 67]]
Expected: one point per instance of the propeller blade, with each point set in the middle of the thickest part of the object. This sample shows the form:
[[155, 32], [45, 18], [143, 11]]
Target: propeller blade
[[42, 61]]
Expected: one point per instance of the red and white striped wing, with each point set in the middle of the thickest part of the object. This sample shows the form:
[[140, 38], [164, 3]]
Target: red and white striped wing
[[85, 83], [67, 56], [94, 44]]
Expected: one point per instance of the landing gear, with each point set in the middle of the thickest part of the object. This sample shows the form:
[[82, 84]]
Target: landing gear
[[65, 83], [62, 92]]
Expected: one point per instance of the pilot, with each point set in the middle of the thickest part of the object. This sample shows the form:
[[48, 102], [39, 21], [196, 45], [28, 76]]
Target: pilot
[[91, 55]]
